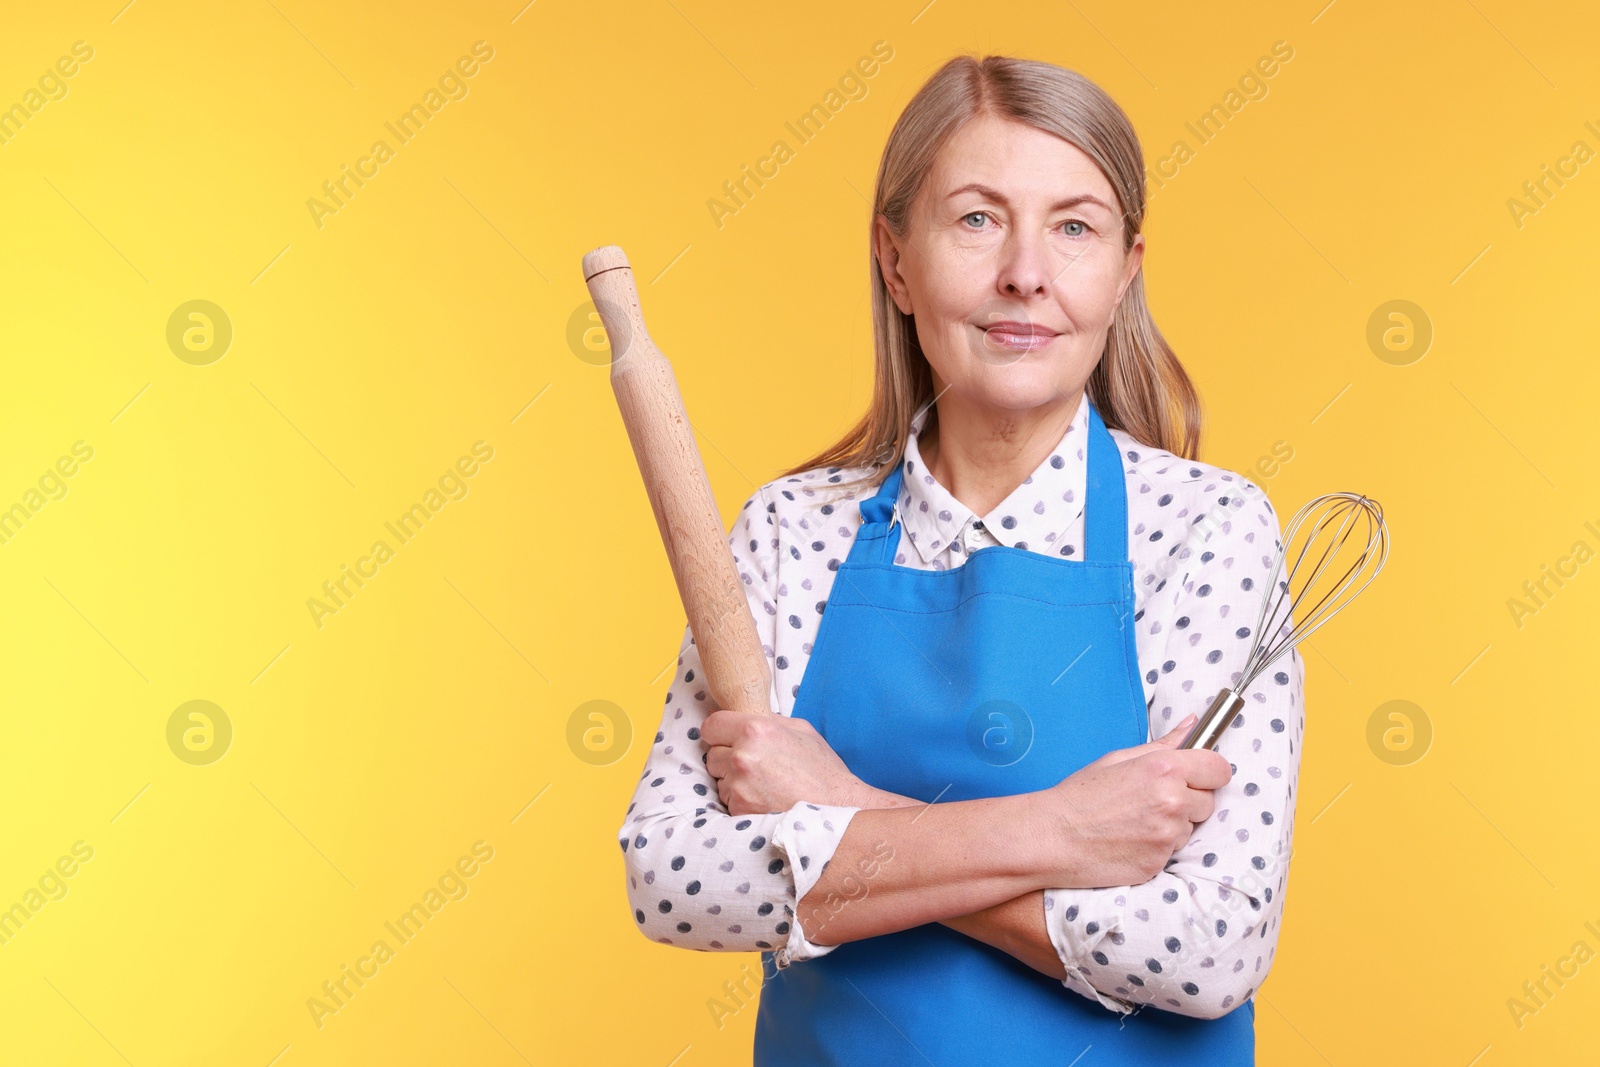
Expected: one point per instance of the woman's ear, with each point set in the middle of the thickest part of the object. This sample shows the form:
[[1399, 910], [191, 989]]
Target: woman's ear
[[1135, 257], [887, 250]]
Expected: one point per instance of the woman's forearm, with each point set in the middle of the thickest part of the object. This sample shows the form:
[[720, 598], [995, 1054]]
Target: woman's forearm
[[1015, 926], [909, 863]]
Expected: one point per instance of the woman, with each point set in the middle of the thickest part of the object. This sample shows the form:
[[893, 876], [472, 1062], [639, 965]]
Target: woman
[[955, 840]]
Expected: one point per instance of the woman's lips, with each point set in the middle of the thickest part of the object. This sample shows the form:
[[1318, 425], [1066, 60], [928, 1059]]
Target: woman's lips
[[1019, 337]]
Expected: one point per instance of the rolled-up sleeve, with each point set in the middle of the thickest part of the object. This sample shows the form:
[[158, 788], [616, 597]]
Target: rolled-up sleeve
[[1199, 938], [698, 877]]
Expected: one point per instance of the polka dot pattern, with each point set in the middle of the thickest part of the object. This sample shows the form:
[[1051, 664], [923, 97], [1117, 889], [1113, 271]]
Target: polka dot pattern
[[1199, 937]]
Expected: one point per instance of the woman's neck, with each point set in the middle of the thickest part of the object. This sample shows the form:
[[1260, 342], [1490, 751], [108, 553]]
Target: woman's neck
[[982, 455]]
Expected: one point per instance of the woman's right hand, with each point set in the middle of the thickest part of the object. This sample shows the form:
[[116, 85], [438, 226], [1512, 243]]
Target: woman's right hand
[[1119, 819]]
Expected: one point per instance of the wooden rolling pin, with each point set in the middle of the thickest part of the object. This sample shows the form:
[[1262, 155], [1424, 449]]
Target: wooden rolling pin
[[647, 394]]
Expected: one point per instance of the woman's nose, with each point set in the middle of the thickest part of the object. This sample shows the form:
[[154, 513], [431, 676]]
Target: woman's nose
[[1023, 267]]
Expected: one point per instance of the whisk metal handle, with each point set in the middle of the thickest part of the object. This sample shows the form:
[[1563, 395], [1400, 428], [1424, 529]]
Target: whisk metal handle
[[1208, 730]]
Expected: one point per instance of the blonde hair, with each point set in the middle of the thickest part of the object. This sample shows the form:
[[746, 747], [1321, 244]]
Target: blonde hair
[[1138, 386]]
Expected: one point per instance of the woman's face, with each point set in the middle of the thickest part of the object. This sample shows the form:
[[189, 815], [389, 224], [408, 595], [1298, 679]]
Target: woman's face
[[1012, 266]]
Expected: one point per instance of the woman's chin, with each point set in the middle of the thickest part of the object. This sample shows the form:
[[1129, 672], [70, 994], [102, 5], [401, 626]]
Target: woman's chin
[[1016, 392]]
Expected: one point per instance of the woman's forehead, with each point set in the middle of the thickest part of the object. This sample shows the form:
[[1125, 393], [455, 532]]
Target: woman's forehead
[[1023, 164]]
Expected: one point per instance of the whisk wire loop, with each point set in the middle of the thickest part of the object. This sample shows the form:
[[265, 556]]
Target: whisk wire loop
[[1277, 629]]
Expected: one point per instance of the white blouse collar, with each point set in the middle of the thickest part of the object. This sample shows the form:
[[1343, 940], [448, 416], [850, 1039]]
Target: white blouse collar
[[1036, 515]]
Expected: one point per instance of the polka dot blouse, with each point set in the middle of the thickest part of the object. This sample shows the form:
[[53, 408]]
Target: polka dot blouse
[[1199, 937]]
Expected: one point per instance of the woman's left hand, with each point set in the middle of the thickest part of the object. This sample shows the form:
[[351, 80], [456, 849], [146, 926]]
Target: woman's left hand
[[765, 762]]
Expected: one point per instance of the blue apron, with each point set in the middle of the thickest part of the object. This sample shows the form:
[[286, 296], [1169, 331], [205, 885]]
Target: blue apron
[[1001, 676]]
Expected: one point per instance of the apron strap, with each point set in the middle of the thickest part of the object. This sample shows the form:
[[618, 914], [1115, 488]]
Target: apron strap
[[1105, 496], [875, 542], [1105, 505]]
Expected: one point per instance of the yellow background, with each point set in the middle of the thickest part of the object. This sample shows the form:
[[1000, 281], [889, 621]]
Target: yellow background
[[432, 311]]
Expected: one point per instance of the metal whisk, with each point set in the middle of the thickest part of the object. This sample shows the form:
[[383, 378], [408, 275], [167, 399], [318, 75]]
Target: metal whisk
[[1338, 524]]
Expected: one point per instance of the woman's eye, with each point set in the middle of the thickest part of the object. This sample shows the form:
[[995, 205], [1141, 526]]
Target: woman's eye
[[1082, 227]]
